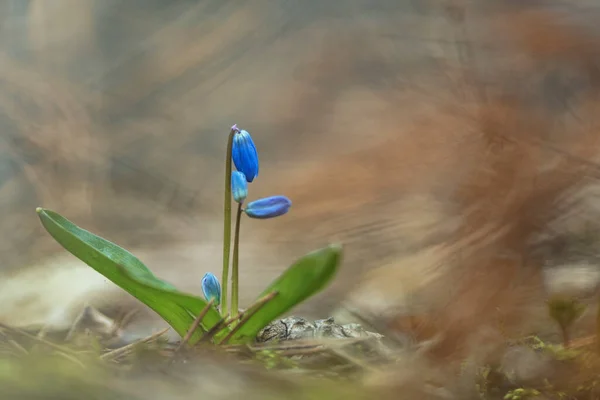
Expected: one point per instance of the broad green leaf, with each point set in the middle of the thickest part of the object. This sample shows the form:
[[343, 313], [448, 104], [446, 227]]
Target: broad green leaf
[[126, 271], [303, 279]]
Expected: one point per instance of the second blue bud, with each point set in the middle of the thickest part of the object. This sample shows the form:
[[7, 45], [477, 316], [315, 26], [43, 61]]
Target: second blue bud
[[239, 186], [211, 288]]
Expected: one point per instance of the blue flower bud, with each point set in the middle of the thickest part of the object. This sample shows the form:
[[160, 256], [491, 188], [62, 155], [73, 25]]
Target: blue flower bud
[[269, 207], [239, 186], [244, 155], [211, 288]]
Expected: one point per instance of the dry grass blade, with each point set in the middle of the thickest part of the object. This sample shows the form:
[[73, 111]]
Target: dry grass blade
[[111, 355], [315, 346], [195, 324], [61, 351], [246, 315], [346, 356], [90, 316], [17, 346], [319, 349], [309, 343], [293, 345], [38, 339], [213, 331], [583, 342], [223, 323], [42, 333], [127, 318], [71, 358]]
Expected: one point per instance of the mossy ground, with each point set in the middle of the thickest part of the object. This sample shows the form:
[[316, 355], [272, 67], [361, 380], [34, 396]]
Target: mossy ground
[[33, 367]]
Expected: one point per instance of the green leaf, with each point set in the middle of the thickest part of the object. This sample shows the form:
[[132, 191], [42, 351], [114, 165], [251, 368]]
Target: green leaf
[[126, 271], [303, 279]]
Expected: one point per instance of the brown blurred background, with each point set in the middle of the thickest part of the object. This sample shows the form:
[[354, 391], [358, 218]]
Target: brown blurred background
[[115, 114]]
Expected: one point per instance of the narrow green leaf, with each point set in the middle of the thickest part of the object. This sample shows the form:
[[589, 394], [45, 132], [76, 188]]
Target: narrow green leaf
[[303, 279], [126, 271]]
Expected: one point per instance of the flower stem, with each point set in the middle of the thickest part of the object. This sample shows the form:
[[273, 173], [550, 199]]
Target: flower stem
[[227, 222], [235, 270]]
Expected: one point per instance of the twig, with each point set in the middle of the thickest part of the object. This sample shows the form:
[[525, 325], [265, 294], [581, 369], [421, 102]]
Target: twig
[[212, 331], [125, 320], [195, 325], [231, 320], [222, 324], [246, 315], [125, 349], [42, 333], [207, 336], [103, 324], [75, 325]]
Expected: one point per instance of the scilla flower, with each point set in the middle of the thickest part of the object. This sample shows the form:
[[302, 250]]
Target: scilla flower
[[211, 288], [244, 155], [268, 207], [239, 186]]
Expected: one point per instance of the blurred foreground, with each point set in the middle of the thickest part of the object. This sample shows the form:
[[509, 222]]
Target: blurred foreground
[[451, 146]]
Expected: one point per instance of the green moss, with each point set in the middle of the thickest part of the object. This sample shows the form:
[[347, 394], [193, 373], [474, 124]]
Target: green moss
[[522, 394]]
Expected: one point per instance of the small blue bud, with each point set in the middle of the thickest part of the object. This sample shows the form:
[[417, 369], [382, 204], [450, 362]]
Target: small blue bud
[[211, 288], [269, 207], [239, 186], [244, 154]]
